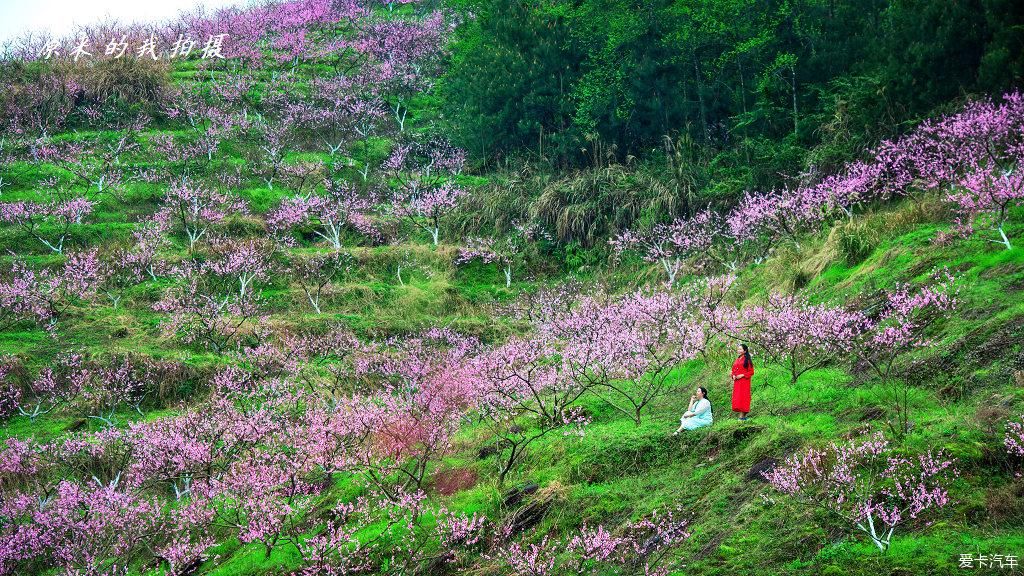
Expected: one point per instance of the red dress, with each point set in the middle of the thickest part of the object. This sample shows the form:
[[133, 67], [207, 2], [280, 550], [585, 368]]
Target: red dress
[[741, 386]]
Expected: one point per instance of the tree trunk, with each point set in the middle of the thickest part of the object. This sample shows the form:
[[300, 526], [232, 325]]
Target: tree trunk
[[1006, 240], [792, 77]]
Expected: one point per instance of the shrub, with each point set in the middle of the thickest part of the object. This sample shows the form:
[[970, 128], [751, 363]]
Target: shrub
[[855, 241], [127, 81]]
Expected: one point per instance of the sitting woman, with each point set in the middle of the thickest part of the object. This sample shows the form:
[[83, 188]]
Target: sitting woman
[[698, 414]]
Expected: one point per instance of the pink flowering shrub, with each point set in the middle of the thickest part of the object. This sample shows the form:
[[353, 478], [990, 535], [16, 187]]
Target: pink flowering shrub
[[1014, 438]]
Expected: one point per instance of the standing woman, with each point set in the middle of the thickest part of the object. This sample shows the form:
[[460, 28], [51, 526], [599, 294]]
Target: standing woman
[[742, 370]]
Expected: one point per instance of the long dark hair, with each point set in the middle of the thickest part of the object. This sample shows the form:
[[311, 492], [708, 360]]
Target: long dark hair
[[704, 391], [747, 363]]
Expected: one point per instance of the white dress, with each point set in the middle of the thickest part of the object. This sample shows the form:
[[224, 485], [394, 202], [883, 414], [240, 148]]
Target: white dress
[[701, 415]]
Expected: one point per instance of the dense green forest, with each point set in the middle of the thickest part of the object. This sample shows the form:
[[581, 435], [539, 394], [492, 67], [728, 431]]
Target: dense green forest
[[753, 94]]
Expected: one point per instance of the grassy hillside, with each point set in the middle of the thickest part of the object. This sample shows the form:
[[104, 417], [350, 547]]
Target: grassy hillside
[[965, 389], [965, 386]]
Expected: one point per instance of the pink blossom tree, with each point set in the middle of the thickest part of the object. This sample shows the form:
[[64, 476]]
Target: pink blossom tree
[[899, 328], [520, 382], [401, 539], [119, 273], [262, 496], [670, 245], [425, 192], [246, 261], [42, 107], [782, 214], [329, 216], [709, 297], [336, 364], [186, 535], [111, 386], [867, 484], [984, 134], [49, 222], [183, 159], [314, 273], [80, 528], [650, 335], [425, 206], [855, 185], [210, 120], [10, 391], [5, 161], [401, 57], [970, 155], [292, 27], [211, 304], [340, 112], [43, 296], [624, 349], [191, 449], [53, 386], [504, 251], [96, 164], [799, 335], [906, 314], [426, 387], [143, 257], [271, 138], [195, 210], [985, 197]]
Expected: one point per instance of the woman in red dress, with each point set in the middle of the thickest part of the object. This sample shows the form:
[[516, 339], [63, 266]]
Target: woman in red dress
[[742, 370]]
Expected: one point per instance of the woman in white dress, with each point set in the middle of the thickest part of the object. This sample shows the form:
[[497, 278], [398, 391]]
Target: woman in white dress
[[698, 414]]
